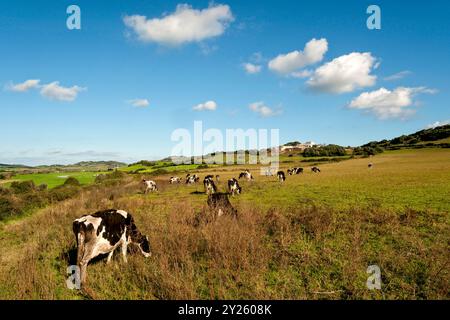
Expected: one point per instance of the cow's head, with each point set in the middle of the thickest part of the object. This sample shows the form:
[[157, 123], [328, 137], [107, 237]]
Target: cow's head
[[239, 190], [143, 244]]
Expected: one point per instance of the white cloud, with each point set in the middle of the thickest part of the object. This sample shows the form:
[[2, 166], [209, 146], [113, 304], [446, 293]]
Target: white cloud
[[301, 74], [312, 53], [208, 105], [141, 103], [387, 104], [54, 91], [251, 68], [437, 124], [263, 110], [344, 74], [184, 25], [398, 75], [24, 86]]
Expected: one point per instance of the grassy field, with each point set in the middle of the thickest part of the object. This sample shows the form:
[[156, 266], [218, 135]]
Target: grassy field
[[312, 237], [56, 178]]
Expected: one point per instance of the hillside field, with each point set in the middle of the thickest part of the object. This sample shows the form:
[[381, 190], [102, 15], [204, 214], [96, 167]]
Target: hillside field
[[311, 237]]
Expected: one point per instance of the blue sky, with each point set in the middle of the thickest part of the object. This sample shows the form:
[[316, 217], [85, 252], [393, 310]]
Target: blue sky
[[350, 86]]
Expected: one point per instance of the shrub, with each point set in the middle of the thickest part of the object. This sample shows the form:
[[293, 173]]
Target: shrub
[[71, 181], [158, 172], [63, 192], [23, 186], [9, 206], [202, 166]]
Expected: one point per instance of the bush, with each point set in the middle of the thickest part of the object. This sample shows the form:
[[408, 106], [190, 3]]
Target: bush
[[202, 166], [325, 151], [23, 186], [71, 181], [158, 172], [63, 192], [9, 206]]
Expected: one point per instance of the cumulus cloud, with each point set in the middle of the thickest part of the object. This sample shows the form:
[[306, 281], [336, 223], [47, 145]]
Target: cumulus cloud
[[141, 103], [208, 105], [313, 52], [398, 75], [437, 124], [386, 104], [54, 91], [182, 26], [263, 110], [24, 86], [344, 74], [251, 68]]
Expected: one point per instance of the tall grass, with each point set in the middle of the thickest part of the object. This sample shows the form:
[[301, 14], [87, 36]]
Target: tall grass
[[308, 252]]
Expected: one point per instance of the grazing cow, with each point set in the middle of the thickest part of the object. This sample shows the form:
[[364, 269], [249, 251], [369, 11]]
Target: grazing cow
[[370, 165], [220, 204], [246, 174], [102, 233], [295, 170], [192, 179], [173, 180], [209, 185], [315, 169], [150, 185], [233, 187], [281, 176]]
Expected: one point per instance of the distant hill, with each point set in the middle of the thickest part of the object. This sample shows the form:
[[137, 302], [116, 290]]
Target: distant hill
[[11, 166], [418, 138], [100, 163]]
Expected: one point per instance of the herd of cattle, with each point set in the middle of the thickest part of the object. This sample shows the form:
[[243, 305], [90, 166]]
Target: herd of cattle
[[105, 231]]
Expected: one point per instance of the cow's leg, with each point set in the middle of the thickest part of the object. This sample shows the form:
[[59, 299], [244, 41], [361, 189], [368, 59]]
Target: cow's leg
[[110, 255], [124, 251]]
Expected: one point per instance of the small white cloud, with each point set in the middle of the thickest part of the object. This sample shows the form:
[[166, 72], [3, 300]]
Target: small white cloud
[[301, 74], [251, 68], [182, 26], [386, 104], [312, 53], [263, 110], [344, 74], [208, 105], [24, 86], [54, 91], [437, 124], [398, 75], [141, 103]]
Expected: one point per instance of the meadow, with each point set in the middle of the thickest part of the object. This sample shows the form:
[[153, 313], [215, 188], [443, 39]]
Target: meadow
[[311, 237], [55, 179]]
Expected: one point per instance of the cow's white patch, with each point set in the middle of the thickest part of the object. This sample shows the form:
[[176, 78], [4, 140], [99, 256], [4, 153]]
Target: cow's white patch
[[90, 220], [122, 213]]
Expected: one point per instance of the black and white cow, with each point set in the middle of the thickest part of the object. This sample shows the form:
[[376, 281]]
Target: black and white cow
[[281, 176], [192, 179], [233, 187], [295, 170], [220, 204], [150, 185], [217, 178], [173, 180], [246, 174], [103, 232], [315, 169], [209, 185], [370, 165]]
